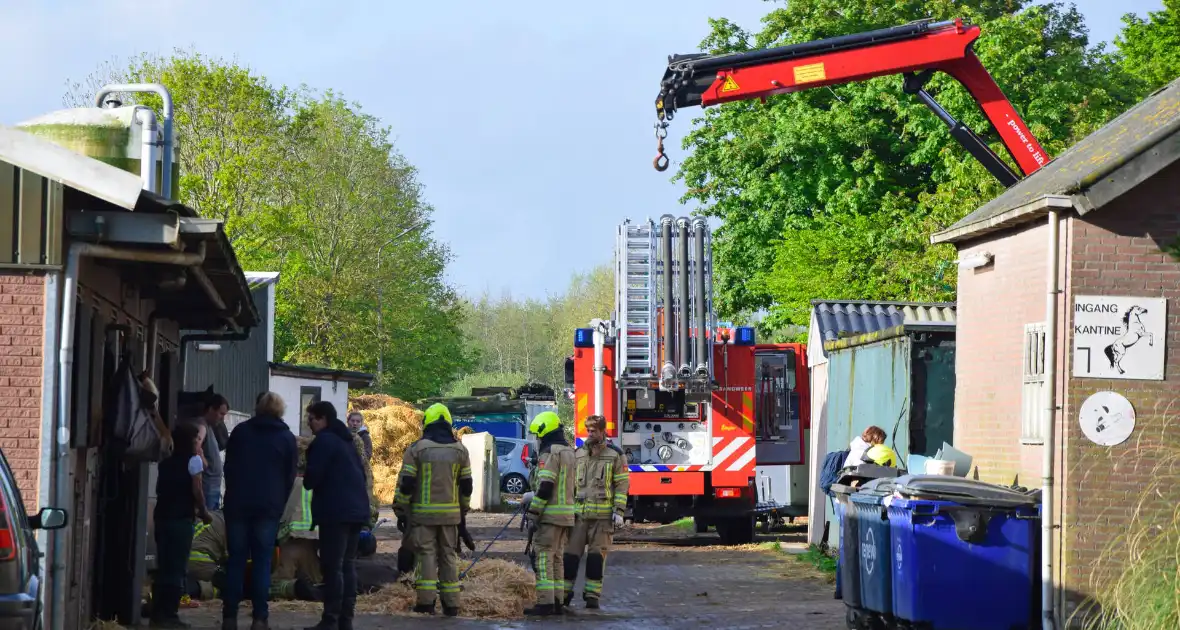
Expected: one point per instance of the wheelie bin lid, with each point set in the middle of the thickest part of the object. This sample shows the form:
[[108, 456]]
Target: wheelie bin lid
[[875, 491], [864, 472], [963, 491]]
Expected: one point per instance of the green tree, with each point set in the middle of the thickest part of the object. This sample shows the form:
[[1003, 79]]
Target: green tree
[[1151, 47], [311, 186], [833, 193]]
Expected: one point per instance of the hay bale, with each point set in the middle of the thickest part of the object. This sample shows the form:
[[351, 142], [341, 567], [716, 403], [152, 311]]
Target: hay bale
[[369, 402], [393, 429], [494, 589]]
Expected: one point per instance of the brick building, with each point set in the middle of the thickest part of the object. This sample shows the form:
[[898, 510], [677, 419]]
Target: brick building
[[1112, 205], [85, 250]]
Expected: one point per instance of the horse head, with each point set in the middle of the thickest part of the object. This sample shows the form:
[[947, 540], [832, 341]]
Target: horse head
[[1135, 311]]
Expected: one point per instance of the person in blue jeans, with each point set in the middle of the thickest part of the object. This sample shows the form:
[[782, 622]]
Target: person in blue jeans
[[261, 458], [339, 508]]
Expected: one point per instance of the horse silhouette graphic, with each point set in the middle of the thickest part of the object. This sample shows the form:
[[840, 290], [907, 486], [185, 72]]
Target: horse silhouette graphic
[[1135, 330]]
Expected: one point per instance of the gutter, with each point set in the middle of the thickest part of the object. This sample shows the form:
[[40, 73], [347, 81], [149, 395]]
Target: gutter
[[1016, 216]]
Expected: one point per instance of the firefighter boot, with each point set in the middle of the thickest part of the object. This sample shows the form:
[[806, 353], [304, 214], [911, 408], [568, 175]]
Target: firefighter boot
[[450, 611], [541, 610], [595, 563], [424, 609], [570, 573]]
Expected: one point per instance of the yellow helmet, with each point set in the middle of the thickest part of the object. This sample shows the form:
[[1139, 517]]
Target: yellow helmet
[[436, 412], [545, 423]]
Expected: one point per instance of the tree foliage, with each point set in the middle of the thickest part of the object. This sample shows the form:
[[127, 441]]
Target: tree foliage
[[1151, 47], [833, 193], [516, 340], [311, 186]]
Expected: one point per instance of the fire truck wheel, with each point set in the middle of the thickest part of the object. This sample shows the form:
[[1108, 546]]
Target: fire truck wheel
[[738, 530]]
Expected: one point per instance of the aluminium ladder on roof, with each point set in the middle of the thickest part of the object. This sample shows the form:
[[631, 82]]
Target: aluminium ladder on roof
[[636, 281]]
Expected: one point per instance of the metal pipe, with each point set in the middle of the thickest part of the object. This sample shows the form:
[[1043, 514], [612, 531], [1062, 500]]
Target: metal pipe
[[168, 142], [599, 365], [153, 345], [61, 489], [1048, 618], [667, 371], [698, 226], [683, 351], [147, 156]]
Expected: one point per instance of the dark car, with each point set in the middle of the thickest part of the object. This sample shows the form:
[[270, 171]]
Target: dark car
[[20, 557]]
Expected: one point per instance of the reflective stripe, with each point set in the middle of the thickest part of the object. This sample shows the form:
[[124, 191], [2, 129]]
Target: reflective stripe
[[200, 556], [409, 470], [303, 523], [449, 587], [424, 486]]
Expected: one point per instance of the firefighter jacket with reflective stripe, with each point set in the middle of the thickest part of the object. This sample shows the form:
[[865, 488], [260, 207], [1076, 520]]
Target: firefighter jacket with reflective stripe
[[428, 489], [602, 482], [209, 541], [558, 466], [296, 519]]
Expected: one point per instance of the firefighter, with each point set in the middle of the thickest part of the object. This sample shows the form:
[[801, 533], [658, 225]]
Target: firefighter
[[433, 496], [601, 500], [207, 560], [550, 511]]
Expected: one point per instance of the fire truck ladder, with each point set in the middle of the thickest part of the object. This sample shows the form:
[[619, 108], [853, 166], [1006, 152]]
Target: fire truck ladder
[[636, 286]]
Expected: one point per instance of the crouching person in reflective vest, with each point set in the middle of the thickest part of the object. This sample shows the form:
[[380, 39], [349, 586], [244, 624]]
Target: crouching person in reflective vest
[[433, 496], [208, 558], [601, 501], [550, 511]]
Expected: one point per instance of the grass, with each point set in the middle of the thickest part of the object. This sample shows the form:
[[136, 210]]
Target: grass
[[824, 565], [684, 523], [1144, 592]]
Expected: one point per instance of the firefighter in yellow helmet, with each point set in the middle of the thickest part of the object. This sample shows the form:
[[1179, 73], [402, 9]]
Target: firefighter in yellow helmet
[[433, 496], [550, 511], [601, 501]]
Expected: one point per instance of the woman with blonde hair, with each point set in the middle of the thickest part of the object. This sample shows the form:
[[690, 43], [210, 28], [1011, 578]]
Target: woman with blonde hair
[[260, 464]]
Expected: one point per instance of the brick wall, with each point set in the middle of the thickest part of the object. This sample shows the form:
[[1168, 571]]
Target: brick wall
[[1118, 252], [22, 312], [993, 305]]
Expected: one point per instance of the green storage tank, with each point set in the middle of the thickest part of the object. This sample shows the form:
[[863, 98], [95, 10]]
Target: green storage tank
[[111, 135]]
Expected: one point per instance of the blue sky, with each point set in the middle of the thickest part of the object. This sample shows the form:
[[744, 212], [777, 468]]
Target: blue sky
[[530, 123]]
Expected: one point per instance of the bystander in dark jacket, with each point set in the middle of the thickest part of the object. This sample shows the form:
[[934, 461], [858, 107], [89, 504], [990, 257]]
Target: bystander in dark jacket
[[261, 460], [335, 475]]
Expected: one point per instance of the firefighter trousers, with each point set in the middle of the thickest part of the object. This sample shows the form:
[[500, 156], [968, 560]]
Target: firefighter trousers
[[438, 566], [550, 542], [597, 534]]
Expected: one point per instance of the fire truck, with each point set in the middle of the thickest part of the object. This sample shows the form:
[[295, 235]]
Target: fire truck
[[708, 419]]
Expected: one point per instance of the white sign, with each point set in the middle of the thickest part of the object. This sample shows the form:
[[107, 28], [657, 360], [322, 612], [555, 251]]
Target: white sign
[[1119, 337], [1107, 418]]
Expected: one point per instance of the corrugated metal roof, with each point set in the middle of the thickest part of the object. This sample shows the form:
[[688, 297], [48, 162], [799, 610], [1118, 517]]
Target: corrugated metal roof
[[840, 319], [1086, 163]]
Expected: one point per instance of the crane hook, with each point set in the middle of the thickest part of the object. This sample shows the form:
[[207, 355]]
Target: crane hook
[[661, 162]]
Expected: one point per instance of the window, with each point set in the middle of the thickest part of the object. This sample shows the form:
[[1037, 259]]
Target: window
[[1032, 413], [307, 396], [504, 449]]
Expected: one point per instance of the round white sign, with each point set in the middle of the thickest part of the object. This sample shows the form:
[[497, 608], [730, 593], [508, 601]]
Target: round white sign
[[1107, 418]]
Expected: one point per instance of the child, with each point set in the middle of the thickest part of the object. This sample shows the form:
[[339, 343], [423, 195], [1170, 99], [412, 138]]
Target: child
[[870, 448]]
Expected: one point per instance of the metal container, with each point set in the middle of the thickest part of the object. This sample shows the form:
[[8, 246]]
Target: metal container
[[111, 135]]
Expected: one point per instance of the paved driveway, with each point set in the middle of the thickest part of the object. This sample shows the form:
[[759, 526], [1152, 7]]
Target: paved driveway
[[657, 578]]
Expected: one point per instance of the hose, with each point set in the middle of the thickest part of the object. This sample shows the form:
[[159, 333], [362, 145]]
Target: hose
[[503, 529]]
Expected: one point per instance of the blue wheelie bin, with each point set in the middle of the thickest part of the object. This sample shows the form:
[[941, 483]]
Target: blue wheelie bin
[[876, 561], [966, 554]]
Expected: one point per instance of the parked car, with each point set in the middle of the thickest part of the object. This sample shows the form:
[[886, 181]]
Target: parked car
[[515, 460], [20, 557]]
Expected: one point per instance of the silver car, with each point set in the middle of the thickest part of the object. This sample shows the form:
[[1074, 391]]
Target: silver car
[[515, 461]]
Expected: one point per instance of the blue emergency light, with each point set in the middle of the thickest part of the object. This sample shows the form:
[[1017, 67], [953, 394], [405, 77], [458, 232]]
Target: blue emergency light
[[584, 338], [744, 336]]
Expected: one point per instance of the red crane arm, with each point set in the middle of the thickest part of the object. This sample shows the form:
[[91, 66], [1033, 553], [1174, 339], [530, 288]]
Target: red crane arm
[[915, 50]]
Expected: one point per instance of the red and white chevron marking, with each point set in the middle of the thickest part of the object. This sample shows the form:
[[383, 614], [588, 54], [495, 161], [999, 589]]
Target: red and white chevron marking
[[732, 454]]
